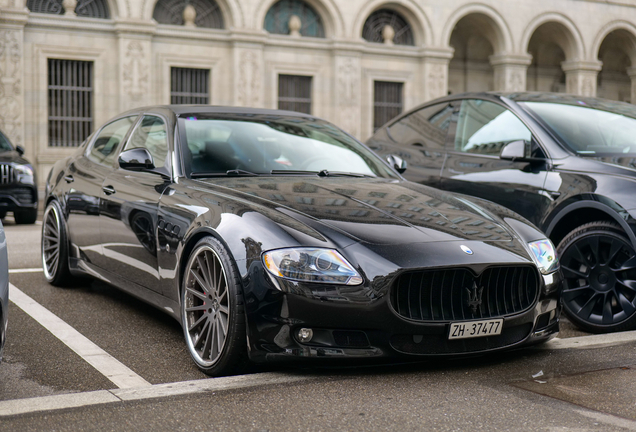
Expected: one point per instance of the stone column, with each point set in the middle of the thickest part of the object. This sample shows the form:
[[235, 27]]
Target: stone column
[[135, 63], [435, 67], [510, 71], [632, 76], [12, 22], [580, 77], [348, 77]]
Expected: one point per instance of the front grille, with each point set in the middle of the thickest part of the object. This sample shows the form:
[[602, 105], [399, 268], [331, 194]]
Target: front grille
[[6, 174], [457, 294], [439, 344], [21, 194], [356, 339]]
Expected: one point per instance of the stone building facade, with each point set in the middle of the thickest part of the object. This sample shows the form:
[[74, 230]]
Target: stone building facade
[[66, 66]]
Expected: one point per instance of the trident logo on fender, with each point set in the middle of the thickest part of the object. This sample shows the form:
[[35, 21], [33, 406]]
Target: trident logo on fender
[[474, 297]]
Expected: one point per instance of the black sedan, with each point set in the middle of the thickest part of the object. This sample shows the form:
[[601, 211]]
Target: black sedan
[[18, 184], [566, 163], [274, 235]]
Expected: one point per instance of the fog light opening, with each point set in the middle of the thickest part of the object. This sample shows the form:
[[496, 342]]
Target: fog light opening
[[305, 334]]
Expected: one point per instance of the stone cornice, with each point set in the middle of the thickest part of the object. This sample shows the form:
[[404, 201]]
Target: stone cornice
[[136, 27], [590, 66], [65, 22], [15, 17]]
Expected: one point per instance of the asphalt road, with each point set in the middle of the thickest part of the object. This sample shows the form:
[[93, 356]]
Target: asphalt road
[[93, 358]]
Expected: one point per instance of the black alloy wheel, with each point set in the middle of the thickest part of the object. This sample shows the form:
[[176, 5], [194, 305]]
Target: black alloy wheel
[[599, 267], [212, 312], [55, 246]]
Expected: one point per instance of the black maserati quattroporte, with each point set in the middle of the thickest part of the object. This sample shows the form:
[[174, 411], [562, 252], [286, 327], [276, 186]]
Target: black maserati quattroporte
[[566, 163], [274, 235]]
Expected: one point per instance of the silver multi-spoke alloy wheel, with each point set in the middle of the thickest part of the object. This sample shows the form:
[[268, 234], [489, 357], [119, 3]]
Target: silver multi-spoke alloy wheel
[[206, 306], [51, 242]]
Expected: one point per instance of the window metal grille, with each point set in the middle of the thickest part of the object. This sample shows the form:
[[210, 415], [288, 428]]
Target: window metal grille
[[209, 13], [70, 102], [84, 8], [189, 86], [294, 93], [372, 30], [387, 102], [277, 18]]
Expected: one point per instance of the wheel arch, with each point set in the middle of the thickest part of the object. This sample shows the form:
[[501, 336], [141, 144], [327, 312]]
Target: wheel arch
[[583, 212]]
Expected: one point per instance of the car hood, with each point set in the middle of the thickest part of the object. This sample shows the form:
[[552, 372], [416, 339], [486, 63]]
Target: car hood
[[616, 165], [377, 211], [12, 156]]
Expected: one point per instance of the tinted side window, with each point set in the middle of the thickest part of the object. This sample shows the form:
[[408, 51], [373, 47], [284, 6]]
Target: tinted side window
[[108, 139], [424, 128], [152, 135], [485, 127]]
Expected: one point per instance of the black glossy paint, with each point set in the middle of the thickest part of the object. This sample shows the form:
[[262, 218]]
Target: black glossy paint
[[17, 196], [135, 229]]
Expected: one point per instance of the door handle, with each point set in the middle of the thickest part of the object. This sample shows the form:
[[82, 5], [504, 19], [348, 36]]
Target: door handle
[[108, 190], [69, 178]]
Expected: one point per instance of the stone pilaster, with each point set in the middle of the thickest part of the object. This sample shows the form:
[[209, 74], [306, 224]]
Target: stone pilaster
[[580, 77], [12, 21], [510, 71], [348, 91], [135, 63], [435, 66], [249, 75]]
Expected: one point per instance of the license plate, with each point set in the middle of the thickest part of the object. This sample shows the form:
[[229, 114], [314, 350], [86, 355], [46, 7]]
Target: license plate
[[473, 329]]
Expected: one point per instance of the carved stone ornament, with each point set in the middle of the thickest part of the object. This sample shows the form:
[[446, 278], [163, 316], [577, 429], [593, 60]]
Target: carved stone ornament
[[135, 76], [348, 81], [189, 15], [388, 33], [436, 81], [295, 24], [69, 7], [249, 82], [11, 84]]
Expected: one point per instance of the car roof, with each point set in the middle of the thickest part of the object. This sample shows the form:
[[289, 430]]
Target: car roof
[[213, 109]]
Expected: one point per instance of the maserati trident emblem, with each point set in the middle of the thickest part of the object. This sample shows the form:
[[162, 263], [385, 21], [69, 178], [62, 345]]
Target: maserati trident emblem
[[474, 297], [466, 249]]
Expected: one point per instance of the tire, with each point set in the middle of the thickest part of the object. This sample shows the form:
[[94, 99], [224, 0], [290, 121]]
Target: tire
[[211, 303], [55, 247], [599, 268], [25, 217]]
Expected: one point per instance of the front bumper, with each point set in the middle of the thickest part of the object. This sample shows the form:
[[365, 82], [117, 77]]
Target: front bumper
[[18, 197], [369, 327]]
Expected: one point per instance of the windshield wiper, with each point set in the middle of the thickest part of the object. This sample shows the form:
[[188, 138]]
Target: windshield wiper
[[228, 173], [321, 173]]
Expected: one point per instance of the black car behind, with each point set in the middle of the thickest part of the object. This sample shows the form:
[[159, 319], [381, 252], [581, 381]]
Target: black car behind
[[18, 184], [566, 163]]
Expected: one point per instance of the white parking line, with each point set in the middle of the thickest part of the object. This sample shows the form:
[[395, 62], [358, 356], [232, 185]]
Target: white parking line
[[590, 341], [107, 365], [75, 400], [26, 270]]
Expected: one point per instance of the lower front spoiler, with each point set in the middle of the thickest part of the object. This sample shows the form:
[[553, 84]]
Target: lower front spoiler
[[519, 331]]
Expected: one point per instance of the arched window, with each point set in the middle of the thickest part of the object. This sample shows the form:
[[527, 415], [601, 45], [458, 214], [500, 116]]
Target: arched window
[[208, 13], [278, 16], [84, 8], [374, 28]]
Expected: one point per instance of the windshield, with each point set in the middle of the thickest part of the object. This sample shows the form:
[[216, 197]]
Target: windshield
[[269, 144], [4, 144], [589, 131]]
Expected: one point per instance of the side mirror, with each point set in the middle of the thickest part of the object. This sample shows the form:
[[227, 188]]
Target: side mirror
[[515, 150], [396, 162], [20, 150], [137, 159]]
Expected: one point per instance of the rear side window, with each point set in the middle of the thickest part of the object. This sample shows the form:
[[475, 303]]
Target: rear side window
[[152, 135], [485, 127], [108, 139], [424, 128]]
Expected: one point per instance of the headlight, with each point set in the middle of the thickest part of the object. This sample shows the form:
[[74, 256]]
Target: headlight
[[311, 265], [23, 173], [544, 255]]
